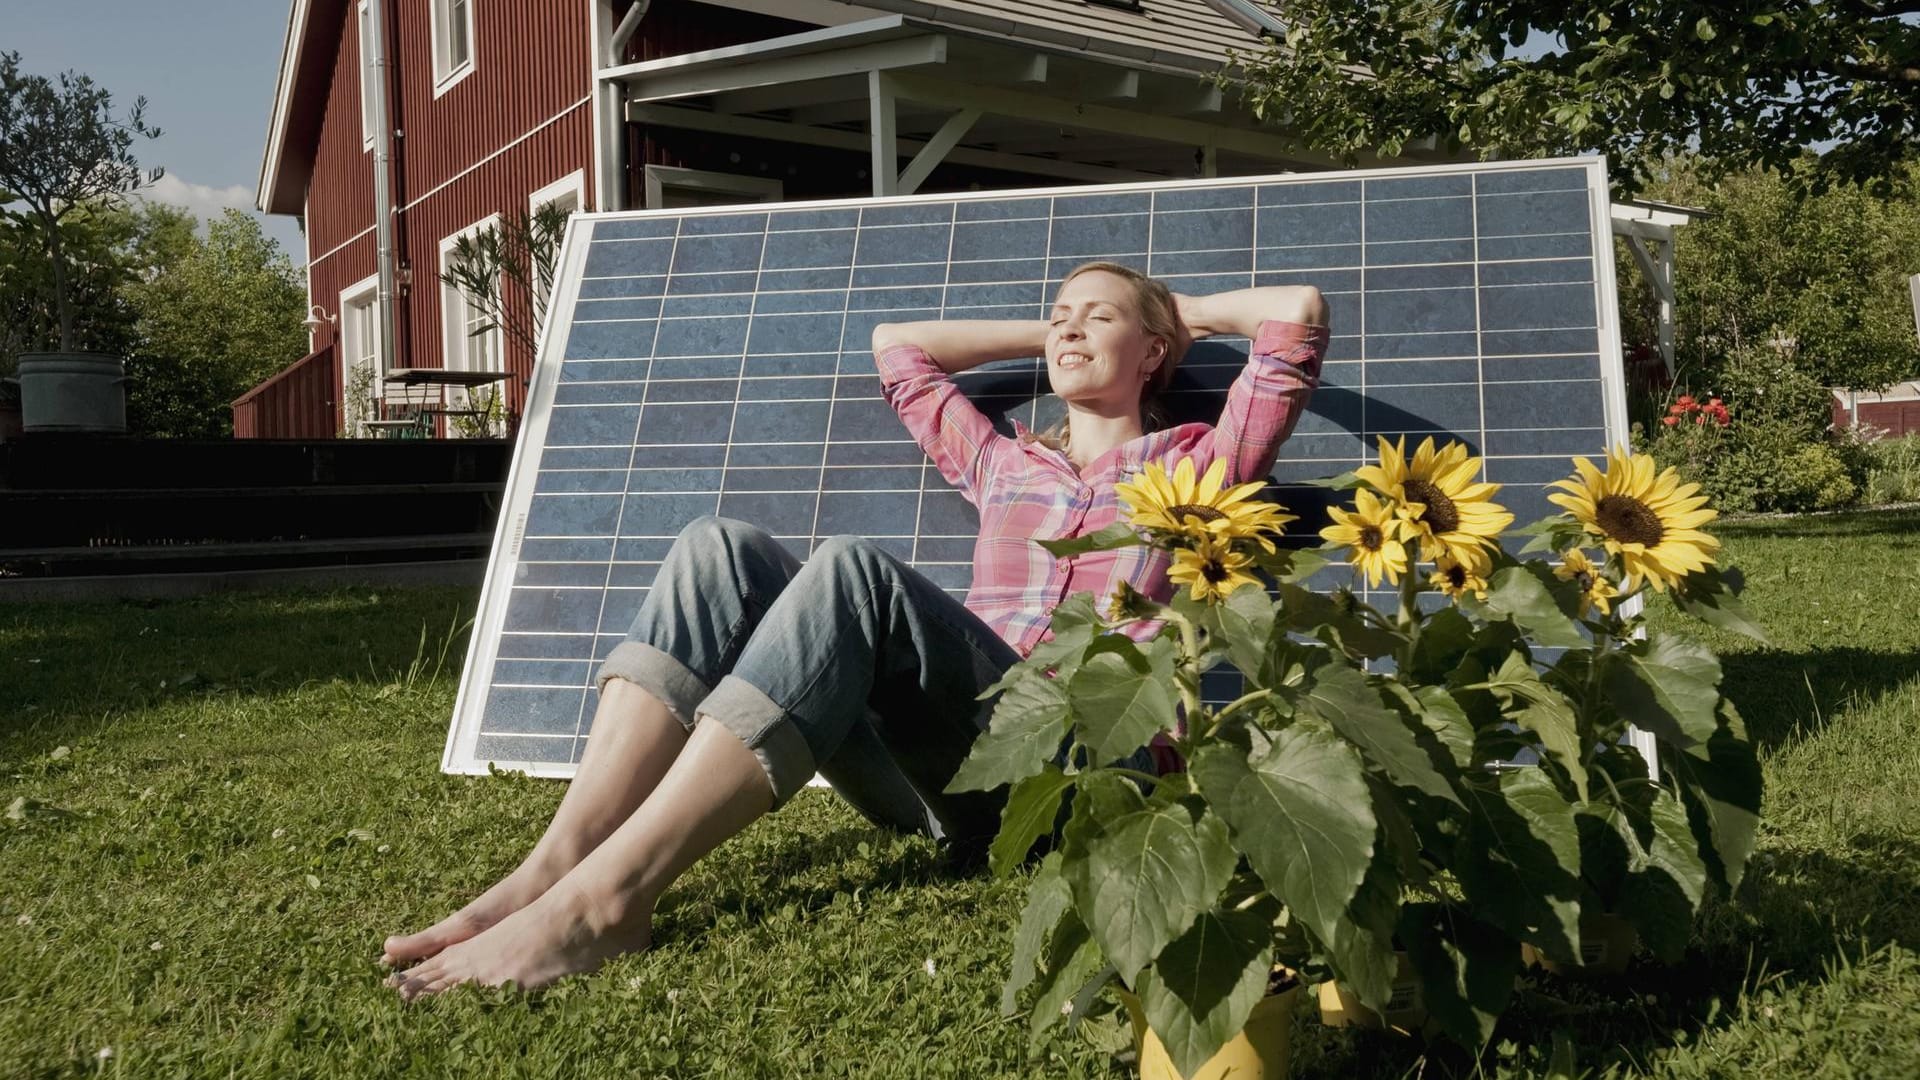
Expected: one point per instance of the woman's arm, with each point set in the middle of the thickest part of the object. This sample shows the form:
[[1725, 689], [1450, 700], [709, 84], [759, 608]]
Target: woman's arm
[[1286, 327], [1241, 311], [959, 344]]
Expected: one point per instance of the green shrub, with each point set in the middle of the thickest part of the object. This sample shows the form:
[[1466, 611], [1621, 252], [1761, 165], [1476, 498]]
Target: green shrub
[[1893, 470]]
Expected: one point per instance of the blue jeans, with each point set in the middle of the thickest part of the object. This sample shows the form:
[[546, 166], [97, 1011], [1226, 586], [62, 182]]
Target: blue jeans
[[853, 665]]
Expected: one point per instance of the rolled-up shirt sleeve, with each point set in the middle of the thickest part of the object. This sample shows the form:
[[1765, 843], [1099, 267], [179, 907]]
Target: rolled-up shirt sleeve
[[956, 435], [1266, 400]]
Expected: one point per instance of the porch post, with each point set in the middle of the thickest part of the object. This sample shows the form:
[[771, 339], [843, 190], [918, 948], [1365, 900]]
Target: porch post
[[881, 134]]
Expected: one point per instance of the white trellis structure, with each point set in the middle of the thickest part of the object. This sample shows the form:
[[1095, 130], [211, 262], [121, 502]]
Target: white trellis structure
[[1648, 230]]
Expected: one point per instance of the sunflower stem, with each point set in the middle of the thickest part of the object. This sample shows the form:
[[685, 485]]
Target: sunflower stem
[[1236, 705], [1185, 665]]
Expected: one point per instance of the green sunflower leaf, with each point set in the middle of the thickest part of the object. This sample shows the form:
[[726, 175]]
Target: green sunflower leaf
[[1198, 995], [1147, 877], [1465, 969], [1713, 596], [1353, 707], [1027, 727], [1667, 685], [1519, 862], [1032, 807], [1115, 536], [1071, 959], [1721, 783], [1048, 899], [1665, 880], [1302, 815], [1524, 594], [1122, 696]]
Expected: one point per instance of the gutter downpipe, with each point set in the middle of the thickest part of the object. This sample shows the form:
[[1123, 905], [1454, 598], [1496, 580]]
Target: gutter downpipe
[[382, 185], [609, 119]]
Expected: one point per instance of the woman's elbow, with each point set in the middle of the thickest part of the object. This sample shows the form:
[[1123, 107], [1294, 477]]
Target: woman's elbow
[[1310, 307], [888, 335]]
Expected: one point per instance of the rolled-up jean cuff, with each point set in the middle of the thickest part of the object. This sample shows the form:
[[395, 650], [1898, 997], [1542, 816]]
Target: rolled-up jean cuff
[[659, 674], [766, 729]]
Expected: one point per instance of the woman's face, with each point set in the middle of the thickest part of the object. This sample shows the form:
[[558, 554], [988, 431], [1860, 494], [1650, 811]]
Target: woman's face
[[1098, 351]]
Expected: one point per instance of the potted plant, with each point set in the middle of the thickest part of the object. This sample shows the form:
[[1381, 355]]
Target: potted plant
[[1354, 802], [62, 151]]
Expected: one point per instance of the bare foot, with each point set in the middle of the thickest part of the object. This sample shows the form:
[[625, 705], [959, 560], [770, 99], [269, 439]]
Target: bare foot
[[560, 934], [513, 892]]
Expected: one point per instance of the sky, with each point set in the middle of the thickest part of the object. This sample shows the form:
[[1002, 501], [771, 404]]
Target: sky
[[207, 69]]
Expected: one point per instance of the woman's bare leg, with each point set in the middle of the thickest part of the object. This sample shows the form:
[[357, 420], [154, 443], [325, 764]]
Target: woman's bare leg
[[635, 740], [604, 905]]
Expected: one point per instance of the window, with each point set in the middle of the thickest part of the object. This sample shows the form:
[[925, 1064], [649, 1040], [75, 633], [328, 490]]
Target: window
[[472, 339], [368, 74], [452, 43], [567, 195], [678, 188], [361, 366]]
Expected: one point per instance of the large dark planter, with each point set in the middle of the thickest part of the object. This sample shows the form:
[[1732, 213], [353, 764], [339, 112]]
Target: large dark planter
[[73, 391]]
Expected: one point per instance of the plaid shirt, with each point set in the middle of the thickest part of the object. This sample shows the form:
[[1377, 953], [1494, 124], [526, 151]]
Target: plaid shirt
[[1026, 491]]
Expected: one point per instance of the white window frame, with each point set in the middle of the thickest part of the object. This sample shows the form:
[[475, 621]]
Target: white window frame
[[573, 184], [750, 188], [457, 313], [445, 72], [367, 75], [363, 295]]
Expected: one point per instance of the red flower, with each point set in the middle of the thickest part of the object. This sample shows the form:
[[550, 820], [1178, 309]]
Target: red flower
[[1670, 420], [1685, 403]]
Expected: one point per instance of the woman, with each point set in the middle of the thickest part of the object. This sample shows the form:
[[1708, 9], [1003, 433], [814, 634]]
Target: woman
[[746, 672]]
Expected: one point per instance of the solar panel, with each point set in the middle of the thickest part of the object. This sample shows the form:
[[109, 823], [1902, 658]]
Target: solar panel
[[716, 361]]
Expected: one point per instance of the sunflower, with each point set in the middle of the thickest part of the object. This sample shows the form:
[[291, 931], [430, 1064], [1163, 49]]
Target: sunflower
[[1197, 512], [1372, 533], [1457, 577], [1449, 513], [1595, 590], [1213, 568], [1651, 522]]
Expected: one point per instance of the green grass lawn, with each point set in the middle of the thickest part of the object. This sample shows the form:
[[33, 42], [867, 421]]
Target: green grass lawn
[[217, 808]]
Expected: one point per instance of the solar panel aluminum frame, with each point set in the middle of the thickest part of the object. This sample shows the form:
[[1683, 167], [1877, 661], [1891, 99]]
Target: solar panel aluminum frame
[[461, 752]]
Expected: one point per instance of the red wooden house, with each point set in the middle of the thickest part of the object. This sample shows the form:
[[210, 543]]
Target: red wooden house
[[400, 125]]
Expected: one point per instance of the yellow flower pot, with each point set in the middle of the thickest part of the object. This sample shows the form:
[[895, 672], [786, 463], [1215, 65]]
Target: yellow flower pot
[[1262, 1051], [1607, 942], [1406, 1007]]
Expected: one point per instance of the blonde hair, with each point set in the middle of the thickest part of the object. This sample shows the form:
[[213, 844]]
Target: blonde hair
[[1153, 303]]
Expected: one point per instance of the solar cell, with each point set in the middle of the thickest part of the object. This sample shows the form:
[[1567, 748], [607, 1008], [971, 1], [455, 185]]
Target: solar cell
[[716, 361]]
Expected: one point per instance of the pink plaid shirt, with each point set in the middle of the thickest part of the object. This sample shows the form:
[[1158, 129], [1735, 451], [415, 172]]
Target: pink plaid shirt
[[1026, 491]]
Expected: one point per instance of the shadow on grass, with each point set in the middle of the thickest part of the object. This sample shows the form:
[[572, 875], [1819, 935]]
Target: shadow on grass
[[1788, 695], [68, 667], [1801, 915], [1901, 526]]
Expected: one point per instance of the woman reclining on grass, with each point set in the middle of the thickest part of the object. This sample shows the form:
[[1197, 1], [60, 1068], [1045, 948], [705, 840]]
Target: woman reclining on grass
[[746, 672]]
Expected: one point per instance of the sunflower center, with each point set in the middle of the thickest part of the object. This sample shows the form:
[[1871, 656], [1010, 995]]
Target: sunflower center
[[1456, 577], [1441, 514], [1213, 571], [1628, 520], [1206, 514], [1371, 538], [1584, 580]]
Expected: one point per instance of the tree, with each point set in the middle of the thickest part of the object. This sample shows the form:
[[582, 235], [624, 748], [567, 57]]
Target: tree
[[99, 247], [62, 152], [1741, 83], [1822, 278], [506, 272], [216, 316]]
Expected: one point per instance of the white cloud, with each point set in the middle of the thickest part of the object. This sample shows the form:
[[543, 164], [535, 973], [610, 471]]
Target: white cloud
[[201, 200]]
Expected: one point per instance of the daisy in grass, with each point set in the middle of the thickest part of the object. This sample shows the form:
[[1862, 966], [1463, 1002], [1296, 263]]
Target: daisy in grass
[[1213, 569], [1447, 510], [1596, 592], [1457, 577], [1372, 533], [1200, 511], [1651, 522]]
